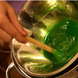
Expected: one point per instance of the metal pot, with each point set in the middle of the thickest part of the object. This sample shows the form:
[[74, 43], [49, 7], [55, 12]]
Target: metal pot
[[21, 59], [28, 58]]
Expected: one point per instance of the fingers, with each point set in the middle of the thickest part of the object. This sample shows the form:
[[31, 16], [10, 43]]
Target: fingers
[[9, 28], [4, 36], [9, 24], [14, 20]]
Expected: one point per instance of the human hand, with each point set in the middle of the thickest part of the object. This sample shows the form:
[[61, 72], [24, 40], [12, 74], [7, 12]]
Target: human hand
[[9, 25]]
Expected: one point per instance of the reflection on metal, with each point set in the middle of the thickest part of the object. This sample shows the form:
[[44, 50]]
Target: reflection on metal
[[28, 58], [51, 2], [9, 69], [32, 62], [43, 32]]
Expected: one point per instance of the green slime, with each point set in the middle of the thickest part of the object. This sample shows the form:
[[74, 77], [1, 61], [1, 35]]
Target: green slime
[[63, 37]]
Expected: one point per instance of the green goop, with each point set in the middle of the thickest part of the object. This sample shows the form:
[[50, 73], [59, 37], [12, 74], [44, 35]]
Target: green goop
[[64, 38]]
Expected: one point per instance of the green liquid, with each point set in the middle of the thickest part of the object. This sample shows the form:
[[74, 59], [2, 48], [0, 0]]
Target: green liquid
[[64, 38]]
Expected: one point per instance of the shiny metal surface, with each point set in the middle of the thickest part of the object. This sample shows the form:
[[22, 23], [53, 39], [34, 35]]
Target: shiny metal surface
[[28, 58], [9, 69], [71, 74]]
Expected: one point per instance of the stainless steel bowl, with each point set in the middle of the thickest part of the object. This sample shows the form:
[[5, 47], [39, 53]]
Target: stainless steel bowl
[[28, 58]]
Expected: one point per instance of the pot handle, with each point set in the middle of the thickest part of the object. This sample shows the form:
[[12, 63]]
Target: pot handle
[[9, 69]]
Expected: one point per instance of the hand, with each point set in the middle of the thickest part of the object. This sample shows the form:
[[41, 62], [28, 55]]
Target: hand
[[9, 25]]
